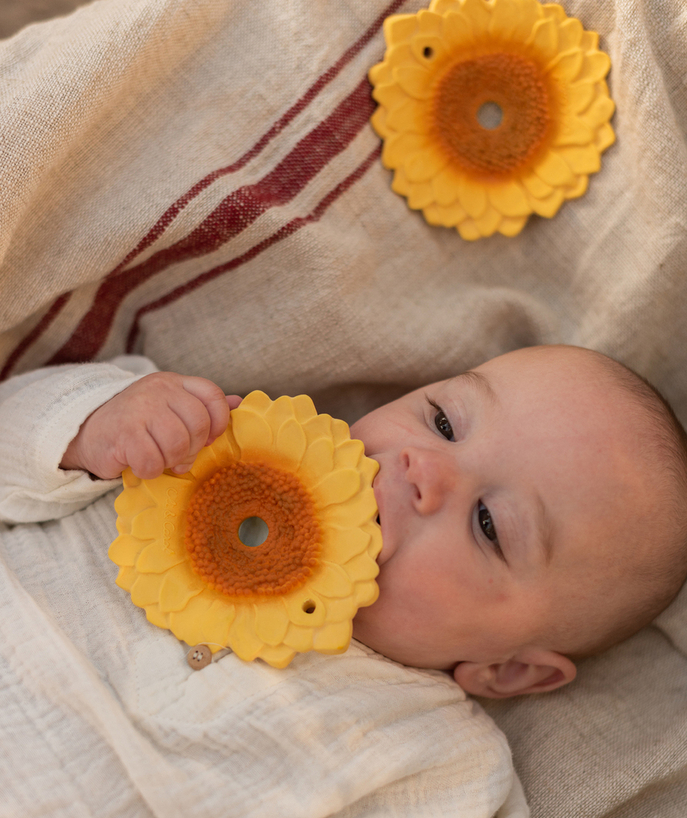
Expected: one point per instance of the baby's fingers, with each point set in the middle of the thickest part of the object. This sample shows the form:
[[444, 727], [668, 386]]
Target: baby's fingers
[[212, 398]]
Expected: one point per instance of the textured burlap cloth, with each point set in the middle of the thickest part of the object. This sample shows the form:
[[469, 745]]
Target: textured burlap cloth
[[198, 182]]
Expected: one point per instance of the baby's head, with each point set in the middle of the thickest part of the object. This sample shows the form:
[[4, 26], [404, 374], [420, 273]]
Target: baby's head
[[533, 512]]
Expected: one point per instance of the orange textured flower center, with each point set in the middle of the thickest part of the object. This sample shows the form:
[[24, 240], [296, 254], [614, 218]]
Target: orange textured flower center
[[283, 561], [513, 83]]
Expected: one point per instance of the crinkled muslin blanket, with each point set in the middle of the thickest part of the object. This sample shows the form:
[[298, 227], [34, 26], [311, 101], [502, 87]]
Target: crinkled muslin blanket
[[198, 182]]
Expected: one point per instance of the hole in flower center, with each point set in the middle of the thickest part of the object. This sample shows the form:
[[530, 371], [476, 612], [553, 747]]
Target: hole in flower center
[[309, 606], [490, 115], [253, 531], [427, 52]]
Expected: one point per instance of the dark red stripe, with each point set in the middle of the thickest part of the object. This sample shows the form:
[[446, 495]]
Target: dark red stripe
[[285, 231], [35, 333], [236, 212], [331, 73]]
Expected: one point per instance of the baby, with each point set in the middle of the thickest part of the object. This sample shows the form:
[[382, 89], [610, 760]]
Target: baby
[[532, 509]]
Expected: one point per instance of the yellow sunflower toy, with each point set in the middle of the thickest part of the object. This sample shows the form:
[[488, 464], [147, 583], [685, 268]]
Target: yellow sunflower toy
[[491, 110], [268, 545]]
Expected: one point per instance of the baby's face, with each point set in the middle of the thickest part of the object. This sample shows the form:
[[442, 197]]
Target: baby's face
[[506, 497]]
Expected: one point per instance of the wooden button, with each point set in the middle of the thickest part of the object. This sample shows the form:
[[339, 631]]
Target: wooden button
[[199, 657]]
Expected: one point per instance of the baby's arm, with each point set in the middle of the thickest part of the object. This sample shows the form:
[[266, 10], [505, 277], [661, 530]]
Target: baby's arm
[[159, 422]]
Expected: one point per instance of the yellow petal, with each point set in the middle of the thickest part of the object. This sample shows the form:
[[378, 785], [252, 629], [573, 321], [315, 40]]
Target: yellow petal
[[225, 447], [573, 131], [536, 186], [242, 637], [331, 581], [291, 444], [306, 608], [477, 12], [468, 230], [318, 427], [340, 431], [271, 621], [569, 34], [391, 96], [422, 166], [341, 544], [333, 638], [581, 159], [579, 189], [419, 194], [378, 122], [504, 18], [337, 487], [509, 198], [579, 95], [365, 593], [399, 147], [527, 15], [399, 27], [204, 620], [156, 617], [179, 585], [349, 454], [472, 197], [457, 31], [125, 549], [547, 206], [415, 81], [362, 568], [278, 656], [445, 188], [381, 74], [339, 610], [205, 462], [156, 559], [298, 638], [126, 577], [553, 170], [358, 510], [605, 137], [430, 23], [544, 39], [565, 67], [146, 589], [488, 222], [256, 401], [445, 216], [303, 408], [590, 41], [511, 227], [252, 433], [317, 460], [407, 117], [595, 67], [599, 112], [147, 525]]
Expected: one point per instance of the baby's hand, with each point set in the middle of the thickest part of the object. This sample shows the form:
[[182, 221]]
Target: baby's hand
[[160, 422]]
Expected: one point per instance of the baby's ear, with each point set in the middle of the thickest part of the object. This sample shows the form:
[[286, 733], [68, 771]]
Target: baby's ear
[[532, 670]]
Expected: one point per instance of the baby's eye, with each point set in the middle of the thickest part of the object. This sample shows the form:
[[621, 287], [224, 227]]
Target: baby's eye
[[487, 525], [443, 424]]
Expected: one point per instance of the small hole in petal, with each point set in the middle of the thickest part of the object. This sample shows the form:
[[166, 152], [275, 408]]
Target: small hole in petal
[[309, 606], [428, 52], [253, 531], [490, 115]]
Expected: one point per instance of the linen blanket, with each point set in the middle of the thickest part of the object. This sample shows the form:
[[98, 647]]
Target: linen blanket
[[199, 183]]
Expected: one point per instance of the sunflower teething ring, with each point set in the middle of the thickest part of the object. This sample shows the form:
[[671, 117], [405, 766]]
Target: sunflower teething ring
[[491, 110], [187, 555]]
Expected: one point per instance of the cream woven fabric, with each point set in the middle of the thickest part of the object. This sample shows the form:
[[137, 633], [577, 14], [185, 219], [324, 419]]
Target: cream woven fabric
[[198, 182]]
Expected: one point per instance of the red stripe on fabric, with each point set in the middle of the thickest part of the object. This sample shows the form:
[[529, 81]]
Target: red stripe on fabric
[[285, 231], [236, 212], [173, 211], [35, 333], [331, 73]]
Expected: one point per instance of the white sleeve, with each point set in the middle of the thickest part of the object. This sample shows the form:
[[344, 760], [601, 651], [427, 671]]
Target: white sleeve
[[40, 414]]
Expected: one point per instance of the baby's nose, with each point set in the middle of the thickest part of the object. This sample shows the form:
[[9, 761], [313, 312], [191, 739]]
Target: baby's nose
[[432, 476]]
